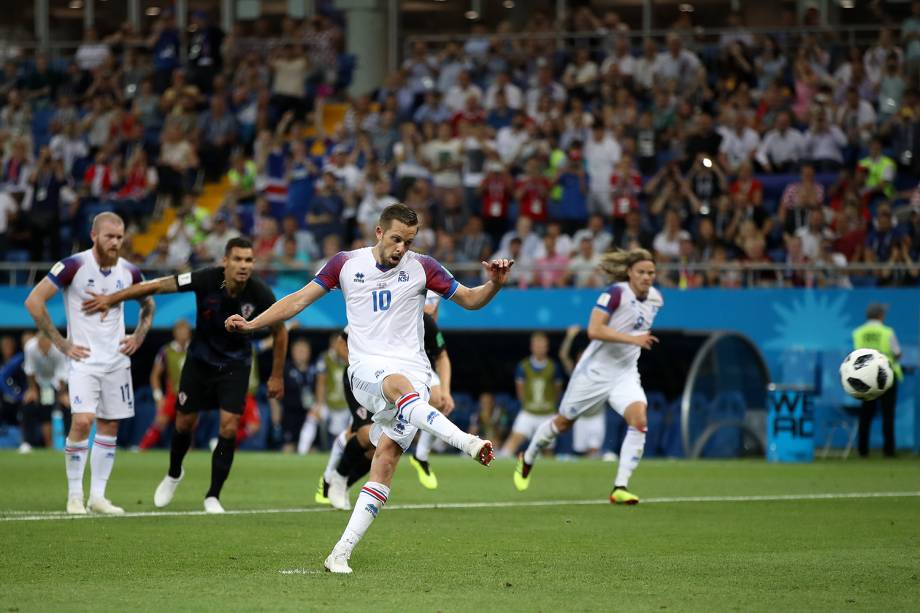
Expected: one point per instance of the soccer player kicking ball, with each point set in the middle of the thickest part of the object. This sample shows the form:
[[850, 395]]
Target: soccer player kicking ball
[[99, 382], [218, 364], [384, 289], [608, 370]]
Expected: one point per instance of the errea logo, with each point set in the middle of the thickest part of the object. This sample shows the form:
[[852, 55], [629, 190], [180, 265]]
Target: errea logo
[[359, 277], [403, 276]]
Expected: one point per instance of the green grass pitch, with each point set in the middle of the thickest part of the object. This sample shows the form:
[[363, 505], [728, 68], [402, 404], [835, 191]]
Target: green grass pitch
[[668, 553]]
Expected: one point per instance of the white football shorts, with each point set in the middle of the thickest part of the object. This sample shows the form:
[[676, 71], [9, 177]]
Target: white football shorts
[[367, 385], [584, 394], [526, 424], [109, 395], [589, 431]]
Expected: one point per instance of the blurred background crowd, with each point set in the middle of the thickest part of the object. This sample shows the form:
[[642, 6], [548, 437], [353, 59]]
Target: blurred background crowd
[[784, 159]]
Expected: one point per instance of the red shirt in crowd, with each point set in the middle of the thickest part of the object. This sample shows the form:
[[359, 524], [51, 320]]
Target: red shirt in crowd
[[496, 195], [533, 195]]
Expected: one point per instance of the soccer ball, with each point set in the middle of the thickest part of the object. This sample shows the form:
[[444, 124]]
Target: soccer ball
[[866, 374]]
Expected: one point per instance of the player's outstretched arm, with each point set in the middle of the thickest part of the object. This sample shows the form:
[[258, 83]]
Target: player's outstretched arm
[[284, 309], [599, 331], [37, 305], [100, 303], [473, 298]]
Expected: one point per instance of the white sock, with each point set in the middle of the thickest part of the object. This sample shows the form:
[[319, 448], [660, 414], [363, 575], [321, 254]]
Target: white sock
[[100, 464], [335, 454], [75, 453], [630, 454], [371, 499], [411, 409], [307, 435], [544, 437], [423, 446]]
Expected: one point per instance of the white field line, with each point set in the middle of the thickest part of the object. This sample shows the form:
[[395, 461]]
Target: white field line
[[56, 515]]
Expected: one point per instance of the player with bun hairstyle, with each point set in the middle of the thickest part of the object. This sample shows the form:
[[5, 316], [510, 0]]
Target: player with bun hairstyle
[[608, 370]]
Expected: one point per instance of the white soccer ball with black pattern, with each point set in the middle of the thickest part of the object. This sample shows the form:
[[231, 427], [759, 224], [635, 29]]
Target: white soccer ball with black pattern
[[866, 374]]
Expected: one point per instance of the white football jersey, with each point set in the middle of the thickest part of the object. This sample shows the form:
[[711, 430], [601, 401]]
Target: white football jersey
[[628, 315], [49, 369], [384, 305], [77, 276]]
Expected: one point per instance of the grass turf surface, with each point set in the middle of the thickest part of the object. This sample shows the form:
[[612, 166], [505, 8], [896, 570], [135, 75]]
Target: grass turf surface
[[833, 554]]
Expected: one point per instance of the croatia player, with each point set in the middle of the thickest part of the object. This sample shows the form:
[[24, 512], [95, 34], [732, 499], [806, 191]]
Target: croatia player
[[608, 370], [99, 381], [384, 289]]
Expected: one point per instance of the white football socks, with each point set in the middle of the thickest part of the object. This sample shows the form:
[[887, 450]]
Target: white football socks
[[630, 454], [75, 453], [423, 446], [307, 435], [411, 409], [100, 464], [371, 499], [335, 454], [544, 437]]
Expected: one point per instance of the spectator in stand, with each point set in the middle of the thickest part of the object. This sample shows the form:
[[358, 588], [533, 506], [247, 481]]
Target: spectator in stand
[[581, 76], [44, 209], [530, 241], [92, 53], [813, 234], [432, 110], [178, 162], [532, 192], [475, 245], [667, 242], [602, 152], [857, 118], [324, 213], [798, 199], [680, 66], [707, 184], [457, 96], [851, 234], [217, 133], [221, 231], [204, 52], [583, 267], [551, 267], [443, 157], [601, 239], [633, 233], [17, 167], [796, 258], [40, 85], [625, 187], [513, 96], [69, 146], [753, 248], [544, 86], [910, 36], [265, 241], [881, 171], [376, 199], [136, 196], [824, 143], [495, 195], [884, 244], [739, 144], [571, 208], [165, 45], [510, 140], [782, 147], [290, 68], [877, 56], [704, 140]]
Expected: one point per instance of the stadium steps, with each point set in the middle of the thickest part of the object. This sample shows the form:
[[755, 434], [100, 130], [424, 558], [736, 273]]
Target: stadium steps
[[210, 199]]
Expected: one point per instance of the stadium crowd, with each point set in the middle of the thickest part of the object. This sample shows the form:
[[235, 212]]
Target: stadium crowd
[[752, 149]]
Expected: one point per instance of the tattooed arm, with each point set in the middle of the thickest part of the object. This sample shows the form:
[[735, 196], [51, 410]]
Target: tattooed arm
[[37, 305]]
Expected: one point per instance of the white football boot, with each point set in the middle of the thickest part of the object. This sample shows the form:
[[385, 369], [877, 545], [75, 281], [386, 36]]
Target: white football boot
[[99, 504], [212, 505], [338, 492], [166, 490]]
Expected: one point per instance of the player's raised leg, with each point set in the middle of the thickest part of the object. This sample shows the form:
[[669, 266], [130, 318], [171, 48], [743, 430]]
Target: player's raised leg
[[630, 453], [412, 409]]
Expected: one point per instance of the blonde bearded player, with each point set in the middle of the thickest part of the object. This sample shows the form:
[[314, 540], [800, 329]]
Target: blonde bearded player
[[384, 289], [99, 382], [608, 370]]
